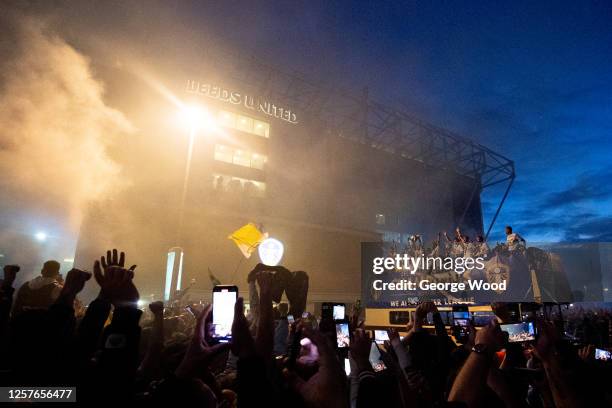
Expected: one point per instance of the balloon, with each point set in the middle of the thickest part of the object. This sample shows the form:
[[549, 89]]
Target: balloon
[[271, 251]]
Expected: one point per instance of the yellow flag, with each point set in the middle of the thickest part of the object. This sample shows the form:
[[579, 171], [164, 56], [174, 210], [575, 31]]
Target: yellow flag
[[247, 238]]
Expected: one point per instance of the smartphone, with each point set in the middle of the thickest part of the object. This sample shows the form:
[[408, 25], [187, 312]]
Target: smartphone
[[347, 367], [519, 332], [305, 315], [380, 336], [482, 318], [342, 335], [335, 311], [514, 312], [224, 299], [339, 312], [290, 319], [376, 358], [461, 315], [603, 355], [461, 330]]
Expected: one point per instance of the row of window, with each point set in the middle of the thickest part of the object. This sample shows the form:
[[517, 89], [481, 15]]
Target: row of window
[[382, 219], [244, 123], [233, 184], [240, 157]]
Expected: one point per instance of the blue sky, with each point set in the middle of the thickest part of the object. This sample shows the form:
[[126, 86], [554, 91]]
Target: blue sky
[[531, 80]]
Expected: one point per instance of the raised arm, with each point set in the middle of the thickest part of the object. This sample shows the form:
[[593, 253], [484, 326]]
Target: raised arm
[[472, 378], [150, 367]]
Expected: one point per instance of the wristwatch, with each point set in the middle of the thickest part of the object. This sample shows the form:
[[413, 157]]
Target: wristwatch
[[481, 349]]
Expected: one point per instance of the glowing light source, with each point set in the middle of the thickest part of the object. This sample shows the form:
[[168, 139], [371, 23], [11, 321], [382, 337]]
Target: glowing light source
[[196, 117], [271, 251], [69, 260], [40, 236], [141, 303]]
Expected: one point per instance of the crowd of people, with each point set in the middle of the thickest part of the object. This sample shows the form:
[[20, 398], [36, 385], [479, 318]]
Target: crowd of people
[[112, 351], [458, 245]]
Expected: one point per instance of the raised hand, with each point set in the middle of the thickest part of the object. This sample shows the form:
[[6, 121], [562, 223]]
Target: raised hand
[[422, 309], [544, 348], [360, 347], [327, 387], [471, 336], [491, 335], [75, 281], [264, 280], [354, 322], [199, 354], [586, 353], [10, 273], [393, 334], [243, 344], [115, 281], [114, 259]]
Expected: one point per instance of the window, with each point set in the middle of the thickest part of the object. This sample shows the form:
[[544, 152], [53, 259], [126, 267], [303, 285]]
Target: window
[[244, 123], [238, 185], [240, 157], [223, 153], [257, 161], [380, 219]]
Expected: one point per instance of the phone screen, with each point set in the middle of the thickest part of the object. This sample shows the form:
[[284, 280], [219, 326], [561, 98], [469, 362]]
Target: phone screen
[[519, 332], [375, 358], [460, 330], [380, 336], [224, 299], [290, 319], [338, 312], [483, 318], [347, 367], [342, 335], [603, 355], [461, 315]]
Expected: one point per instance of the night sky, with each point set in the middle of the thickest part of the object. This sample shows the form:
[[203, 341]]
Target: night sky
[[530, 80]]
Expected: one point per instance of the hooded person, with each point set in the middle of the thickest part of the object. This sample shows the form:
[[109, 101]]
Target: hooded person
[[40, 292]]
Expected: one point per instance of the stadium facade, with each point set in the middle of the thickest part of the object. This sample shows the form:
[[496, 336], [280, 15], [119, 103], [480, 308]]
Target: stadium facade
[[322, 173]]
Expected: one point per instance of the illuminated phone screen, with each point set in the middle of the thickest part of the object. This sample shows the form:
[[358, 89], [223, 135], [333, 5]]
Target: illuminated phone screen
[[380, 336], [338, 312], [223, 312], [342, 335], [519, 332]]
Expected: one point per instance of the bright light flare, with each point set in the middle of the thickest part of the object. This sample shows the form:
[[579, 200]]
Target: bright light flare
[[40, 236], [195, 117], [271, 251]]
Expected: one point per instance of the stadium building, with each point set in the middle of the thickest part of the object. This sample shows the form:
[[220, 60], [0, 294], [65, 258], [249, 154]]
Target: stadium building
[[320, 169]]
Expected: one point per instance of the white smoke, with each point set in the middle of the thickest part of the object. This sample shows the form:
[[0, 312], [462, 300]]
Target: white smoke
[[55, 127]]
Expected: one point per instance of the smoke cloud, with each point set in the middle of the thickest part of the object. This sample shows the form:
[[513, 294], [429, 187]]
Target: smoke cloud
[[56, 127]]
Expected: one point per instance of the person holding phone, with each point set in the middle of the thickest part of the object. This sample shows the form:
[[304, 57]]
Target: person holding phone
[[224, 299]]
